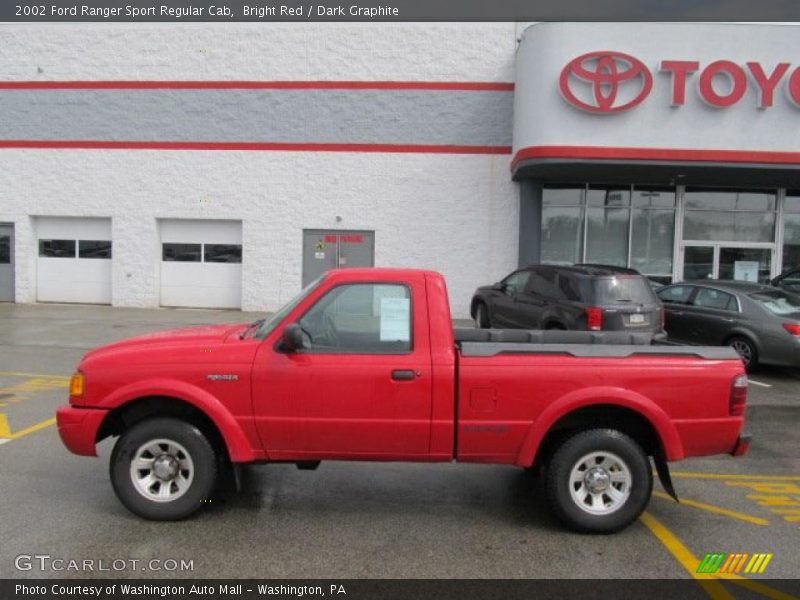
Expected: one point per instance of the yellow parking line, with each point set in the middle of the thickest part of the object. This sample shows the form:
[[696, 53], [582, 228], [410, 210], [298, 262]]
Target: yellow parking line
[[715, 509], [685, 557], [690, 562], [6, 434], [16, 374], [692, 475]]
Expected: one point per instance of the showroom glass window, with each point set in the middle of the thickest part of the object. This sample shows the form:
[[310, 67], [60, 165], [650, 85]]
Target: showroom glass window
[[607, 222], [791, 230], [653, 231], [729, 215], [562, 224], [625, 226]]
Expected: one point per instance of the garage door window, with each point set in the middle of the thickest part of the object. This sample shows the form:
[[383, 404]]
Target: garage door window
[[222, 253], [94, 249], [209, 253], [181, 252], [57, 248]]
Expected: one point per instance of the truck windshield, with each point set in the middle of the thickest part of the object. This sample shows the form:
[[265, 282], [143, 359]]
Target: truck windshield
[[272, 322], [623, 289]]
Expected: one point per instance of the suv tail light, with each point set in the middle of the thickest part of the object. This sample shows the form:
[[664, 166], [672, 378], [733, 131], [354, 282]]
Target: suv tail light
[[738, 395], [594, 318], [793, 328]]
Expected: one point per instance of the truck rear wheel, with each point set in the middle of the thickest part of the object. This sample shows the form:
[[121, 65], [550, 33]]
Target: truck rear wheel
[[599, 481], [163, 469]]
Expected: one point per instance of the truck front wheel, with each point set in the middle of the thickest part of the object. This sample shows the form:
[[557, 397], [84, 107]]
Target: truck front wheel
[[163, 469], [599, 481]]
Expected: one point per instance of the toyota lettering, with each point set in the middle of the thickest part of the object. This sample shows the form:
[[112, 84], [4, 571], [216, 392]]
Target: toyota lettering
[[608, 82]]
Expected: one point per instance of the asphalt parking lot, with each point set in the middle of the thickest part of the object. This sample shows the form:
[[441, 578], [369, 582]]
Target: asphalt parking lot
[[349, 520]]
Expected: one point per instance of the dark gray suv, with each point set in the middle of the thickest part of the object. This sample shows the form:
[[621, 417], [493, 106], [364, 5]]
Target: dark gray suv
[[580, 297]]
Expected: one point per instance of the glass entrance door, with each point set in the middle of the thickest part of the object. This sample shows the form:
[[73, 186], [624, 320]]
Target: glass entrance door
[[745, 264], [726, 261], [698, 262]]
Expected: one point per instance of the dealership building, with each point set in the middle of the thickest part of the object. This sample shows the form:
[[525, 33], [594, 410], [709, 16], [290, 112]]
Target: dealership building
[[224, 166]]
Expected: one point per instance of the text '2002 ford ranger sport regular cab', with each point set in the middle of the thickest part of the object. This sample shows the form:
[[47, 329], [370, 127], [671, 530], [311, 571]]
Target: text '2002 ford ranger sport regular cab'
[[364, 364]]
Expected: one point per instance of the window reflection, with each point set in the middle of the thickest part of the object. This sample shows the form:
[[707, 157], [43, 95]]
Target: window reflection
[[222, 253], [94, 249], [729, 215], [57, 248], [181, 252]]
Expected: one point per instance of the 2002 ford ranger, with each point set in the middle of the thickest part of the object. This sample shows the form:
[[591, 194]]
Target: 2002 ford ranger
[[364, 364]]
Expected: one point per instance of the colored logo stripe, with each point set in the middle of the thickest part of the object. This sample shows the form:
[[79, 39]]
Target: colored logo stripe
[[710, 563], [721, 562]]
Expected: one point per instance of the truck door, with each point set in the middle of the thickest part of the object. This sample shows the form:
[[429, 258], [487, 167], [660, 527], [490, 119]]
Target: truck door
[[360, 387]]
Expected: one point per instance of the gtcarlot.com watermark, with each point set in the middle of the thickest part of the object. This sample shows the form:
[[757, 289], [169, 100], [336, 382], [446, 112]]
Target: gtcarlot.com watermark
[[48, 563]]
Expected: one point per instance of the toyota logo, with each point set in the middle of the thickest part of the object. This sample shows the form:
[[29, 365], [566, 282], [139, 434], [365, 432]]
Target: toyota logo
[[605, 82]]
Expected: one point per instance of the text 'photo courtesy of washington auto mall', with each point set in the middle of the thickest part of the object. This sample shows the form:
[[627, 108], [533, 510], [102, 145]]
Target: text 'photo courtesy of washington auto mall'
[[327, 308]]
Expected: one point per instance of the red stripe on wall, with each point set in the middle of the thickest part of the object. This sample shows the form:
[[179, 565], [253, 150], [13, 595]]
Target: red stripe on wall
[[274, 146], [467, 86], [668, 154]]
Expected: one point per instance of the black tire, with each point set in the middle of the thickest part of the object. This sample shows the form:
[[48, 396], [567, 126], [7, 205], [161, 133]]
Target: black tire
[[746, 350], [572, 502], [482, 316], [176, 440]]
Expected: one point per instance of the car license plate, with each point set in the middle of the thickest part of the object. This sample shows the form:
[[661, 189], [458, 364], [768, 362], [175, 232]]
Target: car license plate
[[637, 319]]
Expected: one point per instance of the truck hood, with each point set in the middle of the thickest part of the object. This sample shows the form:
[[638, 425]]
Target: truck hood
[[187, 336]]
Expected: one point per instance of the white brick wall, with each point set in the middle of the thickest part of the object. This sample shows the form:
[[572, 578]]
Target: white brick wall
[[245, 51], [454, 213]]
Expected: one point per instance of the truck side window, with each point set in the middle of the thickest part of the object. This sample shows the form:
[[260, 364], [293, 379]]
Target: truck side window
[[360, 318]]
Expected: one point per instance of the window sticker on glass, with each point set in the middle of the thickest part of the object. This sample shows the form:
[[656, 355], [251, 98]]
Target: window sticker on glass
[[395, 319]]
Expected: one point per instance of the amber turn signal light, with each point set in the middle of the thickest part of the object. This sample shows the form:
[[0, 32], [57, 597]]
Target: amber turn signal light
[[77, 385]]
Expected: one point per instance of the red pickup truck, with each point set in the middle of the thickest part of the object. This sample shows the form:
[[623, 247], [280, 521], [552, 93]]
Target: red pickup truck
[[364, 364]]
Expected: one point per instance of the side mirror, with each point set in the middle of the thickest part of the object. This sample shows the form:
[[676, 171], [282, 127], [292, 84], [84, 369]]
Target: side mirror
[[292, 338], [499, 286]]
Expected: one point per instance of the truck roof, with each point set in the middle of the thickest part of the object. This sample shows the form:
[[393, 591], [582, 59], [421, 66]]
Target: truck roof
[[377, 273]]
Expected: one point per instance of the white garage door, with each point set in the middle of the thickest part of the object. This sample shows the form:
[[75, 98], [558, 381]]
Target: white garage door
[[74, 260], [201, 263]]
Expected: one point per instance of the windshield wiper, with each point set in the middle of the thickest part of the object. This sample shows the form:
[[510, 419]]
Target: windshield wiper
[[251, 327]]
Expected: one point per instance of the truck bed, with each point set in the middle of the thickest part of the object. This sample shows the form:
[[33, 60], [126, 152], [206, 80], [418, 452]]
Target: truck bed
[[600, 344]]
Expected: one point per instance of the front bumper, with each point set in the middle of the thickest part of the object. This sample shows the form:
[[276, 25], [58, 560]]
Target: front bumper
[[78, 428], [742, 445]]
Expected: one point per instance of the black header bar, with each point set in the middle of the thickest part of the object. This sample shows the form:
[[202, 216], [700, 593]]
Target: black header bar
[[373, 589], [396, 10]]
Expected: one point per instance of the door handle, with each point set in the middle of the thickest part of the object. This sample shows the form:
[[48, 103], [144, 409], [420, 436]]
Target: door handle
[[404, 374]]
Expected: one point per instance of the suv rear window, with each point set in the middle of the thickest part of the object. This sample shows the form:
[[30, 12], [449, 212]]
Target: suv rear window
[[623, 289]]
